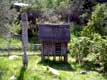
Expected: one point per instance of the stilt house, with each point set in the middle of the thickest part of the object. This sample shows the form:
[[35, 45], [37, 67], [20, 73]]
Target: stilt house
[[54, 39]]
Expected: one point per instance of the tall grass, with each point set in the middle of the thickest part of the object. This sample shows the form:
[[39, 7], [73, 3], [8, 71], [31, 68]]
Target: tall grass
[[36, 70]]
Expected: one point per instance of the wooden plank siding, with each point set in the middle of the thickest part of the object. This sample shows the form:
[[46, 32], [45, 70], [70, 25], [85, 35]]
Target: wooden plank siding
[[54, 39], [48, 49], [54, 33]]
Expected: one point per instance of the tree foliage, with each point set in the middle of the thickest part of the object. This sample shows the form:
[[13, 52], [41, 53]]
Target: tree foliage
[[3, 18], [7, 17], [81, 48], [94, 50], [95, 24]]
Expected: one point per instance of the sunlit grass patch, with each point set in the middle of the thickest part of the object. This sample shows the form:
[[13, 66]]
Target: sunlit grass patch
[[39, 70]]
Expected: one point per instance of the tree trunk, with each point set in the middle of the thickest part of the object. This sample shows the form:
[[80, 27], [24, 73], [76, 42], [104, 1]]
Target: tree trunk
[[24, 21]]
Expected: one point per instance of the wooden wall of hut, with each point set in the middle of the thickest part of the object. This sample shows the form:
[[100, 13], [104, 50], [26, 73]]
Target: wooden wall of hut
[[49, 49]]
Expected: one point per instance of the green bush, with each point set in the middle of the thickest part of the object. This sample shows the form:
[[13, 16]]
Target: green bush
[[95, 24], [95, 50], [100, 49], [81, 48], [76, 29]]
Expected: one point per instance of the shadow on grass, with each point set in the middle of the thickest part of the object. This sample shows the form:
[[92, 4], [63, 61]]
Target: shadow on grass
[[1, 74], [105, 75], [92, 66], [57, 65], [89, 65], [21, 75]]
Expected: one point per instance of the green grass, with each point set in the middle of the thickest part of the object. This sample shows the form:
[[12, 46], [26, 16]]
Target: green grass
[[5, 53], [12, 43], [16, 44], [35, 70]]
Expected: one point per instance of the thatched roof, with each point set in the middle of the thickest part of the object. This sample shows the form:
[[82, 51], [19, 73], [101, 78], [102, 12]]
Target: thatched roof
[[54, 32]]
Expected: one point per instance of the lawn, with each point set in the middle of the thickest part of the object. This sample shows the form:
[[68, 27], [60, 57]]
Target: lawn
[[40, 70]]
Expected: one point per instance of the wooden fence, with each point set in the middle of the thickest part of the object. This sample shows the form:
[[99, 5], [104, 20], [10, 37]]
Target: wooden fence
[[12, 49]]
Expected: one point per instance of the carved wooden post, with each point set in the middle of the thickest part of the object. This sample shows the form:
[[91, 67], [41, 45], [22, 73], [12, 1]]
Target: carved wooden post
[[24, 21]]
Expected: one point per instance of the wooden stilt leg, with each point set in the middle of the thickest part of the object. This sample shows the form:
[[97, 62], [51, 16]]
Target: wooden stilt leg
[[61, 58], [48, 57], [65, 58], [54, 58], [42, 57]]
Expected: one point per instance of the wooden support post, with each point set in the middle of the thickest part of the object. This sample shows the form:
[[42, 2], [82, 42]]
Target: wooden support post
[[42, 56], [65, 58], [54, 58], [59, 58], [24, 21]]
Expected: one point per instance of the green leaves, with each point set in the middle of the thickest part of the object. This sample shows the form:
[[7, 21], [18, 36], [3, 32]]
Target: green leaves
[[95, 25], [81, 48], [84, 48]]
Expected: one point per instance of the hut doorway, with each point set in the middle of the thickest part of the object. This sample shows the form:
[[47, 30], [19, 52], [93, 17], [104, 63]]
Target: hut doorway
[[58, 48]]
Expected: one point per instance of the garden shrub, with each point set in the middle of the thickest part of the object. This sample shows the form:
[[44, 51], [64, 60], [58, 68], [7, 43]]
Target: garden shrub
[[95, 50], [81, 48]]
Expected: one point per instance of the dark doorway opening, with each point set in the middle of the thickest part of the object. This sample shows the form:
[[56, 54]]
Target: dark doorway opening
[[58, 48]]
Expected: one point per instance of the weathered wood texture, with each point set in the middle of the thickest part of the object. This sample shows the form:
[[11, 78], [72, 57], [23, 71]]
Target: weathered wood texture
[[48, 49], [24, 21], [24, 24], [54, 32], [54, 39]]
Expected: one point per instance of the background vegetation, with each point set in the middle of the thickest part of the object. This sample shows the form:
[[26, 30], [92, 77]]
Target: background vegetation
[[87, 47]]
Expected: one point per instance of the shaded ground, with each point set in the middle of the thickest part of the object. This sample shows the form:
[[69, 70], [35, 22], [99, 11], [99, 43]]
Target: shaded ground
[[59, 65], [21, 75]]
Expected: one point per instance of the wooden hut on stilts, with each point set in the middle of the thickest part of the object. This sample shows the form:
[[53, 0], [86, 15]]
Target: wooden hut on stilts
[[54, 39]]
